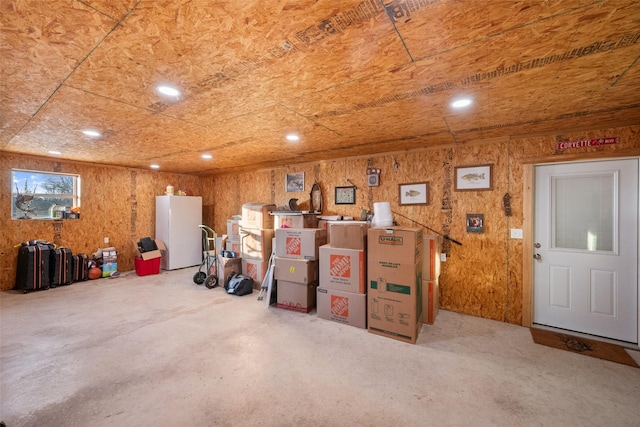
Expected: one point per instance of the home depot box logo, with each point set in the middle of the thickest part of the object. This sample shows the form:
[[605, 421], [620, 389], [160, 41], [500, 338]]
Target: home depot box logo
[[294, 245], [340, 265], [252, 271], [339, 306]]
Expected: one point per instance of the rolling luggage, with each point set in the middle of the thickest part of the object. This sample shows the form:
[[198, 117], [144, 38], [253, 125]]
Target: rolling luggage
[[32, 272], [80, 267], [61, 267]]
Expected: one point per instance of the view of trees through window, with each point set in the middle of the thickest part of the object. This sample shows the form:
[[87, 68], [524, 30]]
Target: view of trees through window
[[41, 195]]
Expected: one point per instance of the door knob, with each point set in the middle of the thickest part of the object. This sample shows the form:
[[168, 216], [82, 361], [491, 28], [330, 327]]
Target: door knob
[[537, 256]]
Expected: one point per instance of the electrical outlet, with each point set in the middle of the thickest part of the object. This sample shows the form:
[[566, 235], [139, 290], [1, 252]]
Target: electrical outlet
[[443, 257], [106, 240], [516, 233]]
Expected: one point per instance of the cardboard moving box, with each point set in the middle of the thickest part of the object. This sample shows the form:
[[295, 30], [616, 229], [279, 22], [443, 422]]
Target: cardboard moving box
[[256, 269], [430, 301], [296, 270], [303, 243], [394, 274], [397, 244], [234, 245], [150, 254], [342, 307], [395, 309], [343, 269], [294, 220], [296, 296], [256, 243], [431, 261], [226, 266], [233, 228], [348, 234], [256, 215]]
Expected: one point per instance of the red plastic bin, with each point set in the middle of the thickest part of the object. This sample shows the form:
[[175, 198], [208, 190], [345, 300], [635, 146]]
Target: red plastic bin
[[150, 266]]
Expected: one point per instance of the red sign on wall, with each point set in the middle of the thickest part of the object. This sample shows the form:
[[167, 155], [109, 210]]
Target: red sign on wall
[[564, 145]]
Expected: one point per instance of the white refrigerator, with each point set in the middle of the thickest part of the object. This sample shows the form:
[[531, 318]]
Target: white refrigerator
[[177, 220]]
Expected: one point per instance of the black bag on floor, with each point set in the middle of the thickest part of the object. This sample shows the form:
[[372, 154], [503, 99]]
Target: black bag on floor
[[33, 272], [237, 284], [80, 267], [61, 267]]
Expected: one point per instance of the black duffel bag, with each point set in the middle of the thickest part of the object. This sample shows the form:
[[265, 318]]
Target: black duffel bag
[[238, 284]]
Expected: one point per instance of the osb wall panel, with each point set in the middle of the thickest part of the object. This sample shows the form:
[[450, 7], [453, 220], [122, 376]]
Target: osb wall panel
[[118, 203], [483, 276]]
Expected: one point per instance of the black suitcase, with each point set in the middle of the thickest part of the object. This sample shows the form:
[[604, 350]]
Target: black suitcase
[[80, 267], [61, 267], [32, 272]]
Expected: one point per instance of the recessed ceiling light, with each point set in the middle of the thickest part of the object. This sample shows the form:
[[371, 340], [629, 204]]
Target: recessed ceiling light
[[92, 133], [155, 166], [168, 90], [207, 156], [293, 137], [461, 103], [56, 152]]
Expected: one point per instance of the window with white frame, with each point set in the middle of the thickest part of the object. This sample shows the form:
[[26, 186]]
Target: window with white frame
[[44, 195]]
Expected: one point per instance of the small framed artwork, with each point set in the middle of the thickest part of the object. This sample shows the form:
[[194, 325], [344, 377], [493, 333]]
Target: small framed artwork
[[295, 182], [346, 195], [474, 178], [475, 223], [415, 193]]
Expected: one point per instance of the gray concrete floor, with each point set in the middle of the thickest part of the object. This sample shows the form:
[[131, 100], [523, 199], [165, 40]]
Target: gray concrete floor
[[162, 351]]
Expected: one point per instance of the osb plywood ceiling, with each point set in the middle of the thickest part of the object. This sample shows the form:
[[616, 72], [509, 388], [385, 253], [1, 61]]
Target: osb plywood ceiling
[[350, 77]]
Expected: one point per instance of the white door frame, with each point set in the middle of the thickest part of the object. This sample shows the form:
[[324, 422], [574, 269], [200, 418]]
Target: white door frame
[[527, 249]]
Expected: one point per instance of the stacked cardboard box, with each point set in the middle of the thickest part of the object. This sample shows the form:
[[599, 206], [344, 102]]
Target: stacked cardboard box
[[256, 231], [294, 220], [227, 266], [296, 267], [232, 242], [430, 279], [395, 282], [297, 281], [341, 295]]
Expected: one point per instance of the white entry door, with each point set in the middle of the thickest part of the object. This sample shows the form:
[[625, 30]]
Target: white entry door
[[586, 248]]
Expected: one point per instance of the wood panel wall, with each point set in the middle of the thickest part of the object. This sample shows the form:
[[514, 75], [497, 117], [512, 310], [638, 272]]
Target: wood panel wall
[[118, 203], [483, 277]]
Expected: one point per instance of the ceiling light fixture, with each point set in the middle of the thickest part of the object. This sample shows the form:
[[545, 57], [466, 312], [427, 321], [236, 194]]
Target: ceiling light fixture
[[207, 156], [92, 133], [168, 90], [293, 137], [56, 152], [461, 103], [155, 166]]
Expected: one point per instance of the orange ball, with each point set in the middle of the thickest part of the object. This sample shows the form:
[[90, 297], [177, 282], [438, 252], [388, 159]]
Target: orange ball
[[95, 273]]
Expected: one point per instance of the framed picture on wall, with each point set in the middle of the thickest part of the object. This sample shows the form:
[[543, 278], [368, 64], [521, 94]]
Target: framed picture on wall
[[475, 223], [474, 178], [345, 195], [295, 182], [415, 193]]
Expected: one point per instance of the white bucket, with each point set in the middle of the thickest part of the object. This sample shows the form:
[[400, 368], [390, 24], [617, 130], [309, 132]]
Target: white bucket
[[382, 215]]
